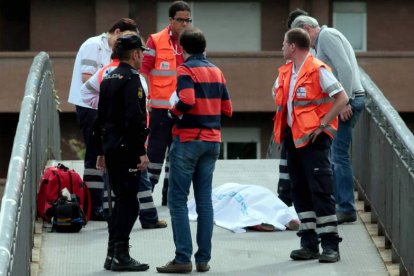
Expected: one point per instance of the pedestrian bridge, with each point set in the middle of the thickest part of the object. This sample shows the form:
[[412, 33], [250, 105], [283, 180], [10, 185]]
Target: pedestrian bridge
[[379, 243]]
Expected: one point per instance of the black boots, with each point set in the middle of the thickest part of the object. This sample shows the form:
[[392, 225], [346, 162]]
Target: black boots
[[109, 254], [304, 254], [310, 247], [329, 256], [330, 246], [122, 261]]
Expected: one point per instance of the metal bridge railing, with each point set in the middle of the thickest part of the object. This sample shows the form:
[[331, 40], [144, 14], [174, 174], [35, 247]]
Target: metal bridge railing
[[383, 162], [37, 140]]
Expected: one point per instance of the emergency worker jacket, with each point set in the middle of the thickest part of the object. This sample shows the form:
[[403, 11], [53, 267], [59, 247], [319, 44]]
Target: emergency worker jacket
[[309, 103], [163, 77], [121, 121], [107, 69]]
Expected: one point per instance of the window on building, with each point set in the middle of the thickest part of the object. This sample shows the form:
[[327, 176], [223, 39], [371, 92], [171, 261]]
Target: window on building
[[240, 143], [15, 25], [228, 26], [351, 19]]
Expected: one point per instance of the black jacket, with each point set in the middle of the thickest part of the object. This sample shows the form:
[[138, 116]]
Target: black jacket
[[121, 121]]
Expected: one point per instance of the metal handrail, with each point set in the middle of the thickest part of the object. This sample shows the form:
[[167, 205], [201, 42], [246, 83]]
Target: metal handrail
[[391, 116], [382, 157], [37, 140]]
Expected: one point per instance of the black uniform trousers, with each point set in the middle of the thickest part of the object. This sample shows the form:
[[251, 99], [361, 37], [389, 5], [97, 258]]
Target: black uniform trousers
[[159, 141], [125, 180], [283, 187], [312, 183], [92, 177]]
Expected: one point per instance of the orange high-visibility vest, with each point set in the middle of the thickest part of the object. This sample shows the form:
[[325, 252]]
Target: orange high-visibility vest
[[163, 77], [310, 104], [109, 67]]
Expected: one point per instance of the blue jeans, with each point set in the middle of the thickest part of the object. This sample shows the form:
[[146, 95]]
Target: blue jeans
[[192, 161], [343, 174]]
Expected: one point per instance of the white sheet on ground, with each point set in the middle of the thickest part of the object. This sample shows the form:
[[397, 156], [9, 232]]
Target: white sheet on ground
[[238, 206]]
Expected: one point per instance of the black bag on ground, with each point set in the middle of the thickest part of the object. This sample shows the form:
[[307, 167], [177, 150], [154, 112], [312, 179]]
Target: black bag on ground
[[67, 216]]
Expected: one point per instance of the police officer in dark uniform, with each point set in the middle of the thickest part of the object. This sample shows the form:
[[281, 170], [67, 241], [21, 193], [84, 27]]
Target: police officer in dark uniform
[[121, 127]]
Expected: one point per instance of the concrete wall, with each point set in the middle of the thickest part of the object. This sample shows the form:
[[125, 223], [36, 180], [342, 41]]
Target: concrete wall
[[390, 25], [60, 27], [250, 77], [63, 25], [392, 72]]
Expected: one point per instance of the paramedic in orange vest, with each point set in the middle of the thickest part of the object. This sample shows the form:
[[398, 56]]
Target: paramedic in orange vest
[[308, 100], [159, 68]]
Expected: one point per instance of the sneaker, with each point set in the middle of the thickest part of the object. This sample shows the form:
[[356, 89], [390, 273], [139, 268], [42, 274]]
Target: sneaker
[[329, 256], [202, 267], [158, 224], [346, 217], [173, 267], [304, 254]]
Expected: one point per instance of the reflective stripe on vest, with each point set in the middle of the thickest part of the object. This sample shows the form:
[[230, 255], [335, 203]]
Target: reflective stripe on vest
[[279, 108], [306, 138], [150, 52], [313, 102], [163, 77], [153, 102], [155, 72]]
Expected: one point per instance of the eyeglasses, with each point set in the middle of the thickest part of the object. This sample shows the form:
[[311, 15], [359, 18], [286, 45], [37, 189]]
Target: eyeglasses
[[182, 20]]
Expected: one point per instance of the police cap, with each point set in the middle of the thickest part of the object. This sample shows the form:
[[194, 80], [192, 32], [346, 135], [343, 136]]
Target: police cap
[[129, 42]]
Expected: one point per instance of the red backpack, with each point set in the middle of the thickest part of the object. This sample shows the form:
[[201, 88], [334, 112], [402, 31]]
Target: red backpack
[[55, 179]]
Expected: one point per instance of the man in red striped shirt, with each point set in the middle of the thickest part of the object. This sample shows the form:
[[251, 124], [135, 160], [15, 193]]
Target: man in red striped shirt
[[202, 99]]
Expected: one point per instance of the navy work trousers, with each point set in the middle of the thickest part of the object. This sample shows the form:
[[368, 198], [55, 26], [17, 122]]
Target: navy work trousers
[[312, 183], [159, 140], [125, 180], [92, 177]]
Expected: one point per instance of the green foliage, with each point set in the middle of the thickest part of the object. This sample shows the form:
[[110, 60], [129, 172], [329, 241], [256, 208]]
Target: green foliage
[[78, 147]]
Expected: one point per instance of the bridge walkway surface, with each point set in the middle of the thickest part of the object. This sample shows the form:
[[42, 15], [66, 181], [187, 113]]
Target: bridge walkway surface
[[251, 253]]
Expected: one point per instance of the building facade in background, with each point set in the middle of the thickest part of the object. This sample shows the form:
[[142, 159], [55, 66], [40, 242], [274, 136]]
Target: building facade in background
[[244, 40]]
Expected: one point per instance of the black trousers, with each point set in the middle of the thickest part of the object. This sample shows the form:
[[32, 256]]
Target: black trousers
[[125, 185], [92, 177], [159, 141], [283, 187], [312, 183]]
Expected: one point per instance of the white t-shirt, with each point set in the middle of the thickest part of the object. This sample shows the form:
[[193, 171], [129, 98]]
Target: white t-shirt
[[91, 88], [93, 54]]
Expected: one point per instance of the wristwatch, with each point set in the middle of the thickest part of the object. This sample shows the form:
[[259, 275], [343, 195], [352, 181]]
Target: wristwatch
[[323, 126]]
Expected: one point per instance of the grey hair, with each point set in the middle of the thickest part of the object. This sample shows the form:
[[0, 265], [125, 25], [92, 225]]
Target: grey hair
[[303, 20]]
